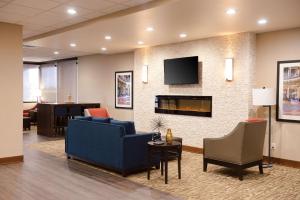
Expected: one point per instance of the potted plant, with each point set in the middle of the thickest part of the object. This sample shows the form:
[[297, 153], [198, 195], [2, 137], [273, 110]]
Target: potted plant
[[158, 124]]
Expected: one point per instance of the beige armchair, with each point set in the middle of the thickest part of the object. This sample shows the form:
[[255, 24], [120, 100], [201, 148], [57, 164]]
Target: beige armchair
[[240, 149]]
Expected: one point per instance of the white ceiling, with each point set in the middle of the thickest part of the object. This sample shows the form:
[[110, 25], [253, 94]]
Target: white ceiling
[[197, 18], [40, 16]]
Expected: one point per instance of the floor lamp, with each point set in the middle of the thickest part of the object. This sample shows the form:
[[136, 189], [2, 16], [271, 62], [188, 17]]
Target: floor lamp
[[265, 97]]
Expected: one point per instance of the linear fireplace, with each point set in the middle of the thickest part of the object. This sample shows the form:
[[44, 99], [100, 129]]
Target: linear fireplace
[[184, 105]]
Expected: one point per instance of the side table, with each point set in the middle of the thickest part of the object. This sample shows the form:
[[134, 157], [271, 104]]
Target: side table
[[164, 151]]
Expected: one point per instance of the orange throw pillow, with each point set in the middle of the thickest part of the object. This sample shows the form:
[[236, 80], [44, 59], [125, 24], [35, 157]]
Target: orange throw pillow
[[98, 112]]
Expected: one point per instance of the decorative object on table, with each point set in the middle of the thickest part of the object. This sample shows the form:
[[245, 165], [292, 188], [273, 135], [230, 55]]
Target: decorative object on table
[[158, 142], [169, 136], [124, 89], [156, 137], [265, 97], [158, 124], [288, 91]]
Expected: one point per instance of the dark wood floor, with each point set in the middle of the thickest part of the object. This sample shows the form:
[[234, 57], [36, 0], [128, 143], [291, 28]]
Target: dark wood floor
[[45, 177]]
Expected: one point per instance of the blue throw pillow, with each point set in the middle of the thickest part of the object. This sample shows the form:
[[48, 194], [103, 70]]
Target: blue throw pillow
[[128, 126], [83, 118], [102, 120]]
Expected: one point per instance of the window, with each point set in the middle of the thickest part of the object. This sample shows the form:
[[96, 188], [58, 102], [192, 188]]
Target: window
[[30, 83], [48, 84]]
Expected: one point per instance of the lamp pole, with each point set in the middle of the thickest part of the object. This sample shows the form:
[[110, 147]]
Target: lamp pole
[[269, 164]]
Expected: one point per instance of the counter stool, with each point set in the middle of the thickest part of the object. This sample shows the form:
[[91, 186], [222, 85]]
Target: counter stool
[[60, 119], [74, 111]]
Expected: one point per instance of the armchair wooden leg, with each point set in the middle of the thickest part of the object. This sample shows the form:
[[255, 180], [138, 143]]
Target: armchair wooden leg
[[240, 171], [204, 165], [260, 165]]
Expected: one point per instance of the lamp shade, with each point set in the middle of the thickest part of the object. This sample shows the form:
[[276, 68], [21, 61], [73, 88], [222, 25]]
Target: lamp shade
[[264, 97]]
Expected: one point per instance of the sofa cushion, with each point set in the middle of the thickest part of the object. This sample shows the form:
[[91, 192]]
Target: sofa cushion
[[83, 118], [101, 119], [128, 126]]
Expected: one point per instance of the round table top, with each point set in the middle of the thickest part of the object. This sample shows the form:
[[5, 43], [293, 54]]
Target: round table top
[[164, 144]]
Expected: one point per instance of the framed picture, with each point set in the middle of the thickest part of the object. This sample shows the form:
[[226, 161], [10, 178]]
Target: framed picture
[[124, 89], [288, 91]]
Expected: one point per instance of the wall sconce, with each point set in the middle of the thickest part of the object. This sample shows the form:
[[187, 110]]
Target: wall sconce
[[228, 69], [145, 74]]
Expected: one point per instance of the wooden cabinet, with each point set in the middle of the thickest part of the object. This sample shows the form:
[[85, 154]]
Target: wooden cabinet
[[46, 118]]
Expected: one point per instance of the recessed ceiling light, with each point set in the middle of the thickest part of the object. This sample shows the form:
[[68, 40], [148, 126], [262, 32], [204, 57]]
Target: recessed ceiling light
[[73, 45], [149, 29], [182, 35], [71, 11], [230, 11], [140, 42], [103, 48], [262, 21], [107, 37], [56, 52]]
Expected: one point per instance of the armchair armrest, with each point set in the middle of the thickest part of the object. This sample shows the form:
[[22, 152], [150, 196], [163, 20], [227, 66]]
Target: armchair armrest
[[227, 148]]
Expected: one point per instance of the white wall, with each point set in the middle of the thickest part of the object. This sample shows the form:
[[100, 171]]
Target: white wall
[[96, 80], [231, 100], [273, 47], [11, 76]]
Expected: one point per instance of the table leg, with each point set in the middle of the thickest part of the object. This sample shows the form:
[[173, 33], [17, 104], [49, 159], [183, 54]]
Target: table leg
[[179, 164], [148, 165], [166, 166], [161, 166]]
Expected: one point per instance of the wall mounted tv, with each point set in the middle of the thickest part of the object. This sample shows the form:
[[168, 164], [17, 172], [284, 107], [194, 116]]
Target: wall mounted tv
[[181, 71]]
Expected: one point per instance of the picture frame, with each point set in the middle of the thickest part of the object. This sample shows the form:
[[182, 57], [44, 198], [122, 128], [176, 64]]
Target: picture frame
[[288, 91], [124, 89]]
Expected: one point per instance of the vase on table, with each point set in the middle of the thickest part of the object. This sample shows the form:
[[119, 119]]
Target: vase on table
[[169, 136]]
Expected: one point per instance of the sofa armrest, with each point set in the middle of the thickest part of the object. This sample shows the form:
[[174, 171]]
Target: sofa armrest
[[135, 150]]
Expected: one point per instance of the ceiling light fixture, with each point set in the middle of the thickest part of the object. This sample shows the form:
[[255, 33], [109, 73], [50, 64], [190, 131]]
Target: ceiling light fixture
[[73, 45], [230, 11], [103, 48], [262, 21], [107, 37], [56, 52], [183, 35], [149, 29], [72, 11], [140, 42]]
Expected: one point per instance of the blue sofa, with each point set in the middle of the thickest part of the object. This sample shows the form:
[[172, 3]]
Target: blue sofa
[[108, 145]]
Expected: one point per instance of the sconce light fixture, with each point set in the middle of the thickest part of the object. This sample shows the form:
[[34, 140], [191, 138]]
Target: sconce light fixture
[[228, 69], [145, 74]]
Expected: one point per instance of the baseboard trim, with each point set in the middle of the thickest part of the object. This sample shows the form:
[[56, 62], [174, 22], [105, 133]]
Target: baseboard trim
[[13, 159], [285, 162], [280, 161], [192, 149]]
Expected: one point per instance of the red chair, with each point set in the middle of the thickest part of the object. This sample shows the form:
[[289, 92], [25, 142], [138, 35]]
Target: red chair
[[96, 112], [27, 111]]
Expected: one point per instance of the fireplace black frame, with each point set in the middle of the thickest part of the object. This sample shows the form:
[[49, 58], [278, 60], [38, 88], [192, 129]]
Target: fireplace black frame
[[182, 112]]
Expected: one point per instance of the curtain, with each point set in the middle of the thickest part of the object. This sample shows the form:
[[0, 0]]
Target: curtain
[[48, 82], [67, 81], [30, 83]]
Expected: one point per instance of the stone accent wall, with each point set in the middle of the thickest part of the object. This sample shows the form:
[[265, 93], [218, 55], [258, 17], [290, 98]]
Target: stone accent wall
[[231, 100]]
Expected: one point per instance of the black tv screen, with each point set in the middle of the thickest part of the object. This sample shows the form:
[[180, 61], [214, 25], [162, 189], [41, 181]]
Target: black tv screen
[[181, 71]]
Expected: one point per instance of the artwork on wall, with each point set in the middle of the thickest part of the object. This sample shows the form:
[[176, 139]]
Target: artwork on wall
[[124, 89], [288, 91]]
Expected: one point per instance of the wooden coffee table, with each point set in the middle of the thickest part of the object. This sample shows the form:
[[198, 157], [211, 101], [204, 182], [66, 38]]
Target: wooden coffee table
[[164, 152]]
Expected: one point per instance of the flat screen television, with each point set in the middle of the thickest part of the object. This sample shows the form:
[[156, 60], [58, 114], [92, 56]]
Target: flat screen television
[[181, 71]]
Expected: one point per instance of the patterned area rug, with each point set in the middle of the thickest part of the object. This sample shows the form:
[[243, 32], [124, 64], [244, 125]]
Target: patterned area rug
[[217, 183]]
